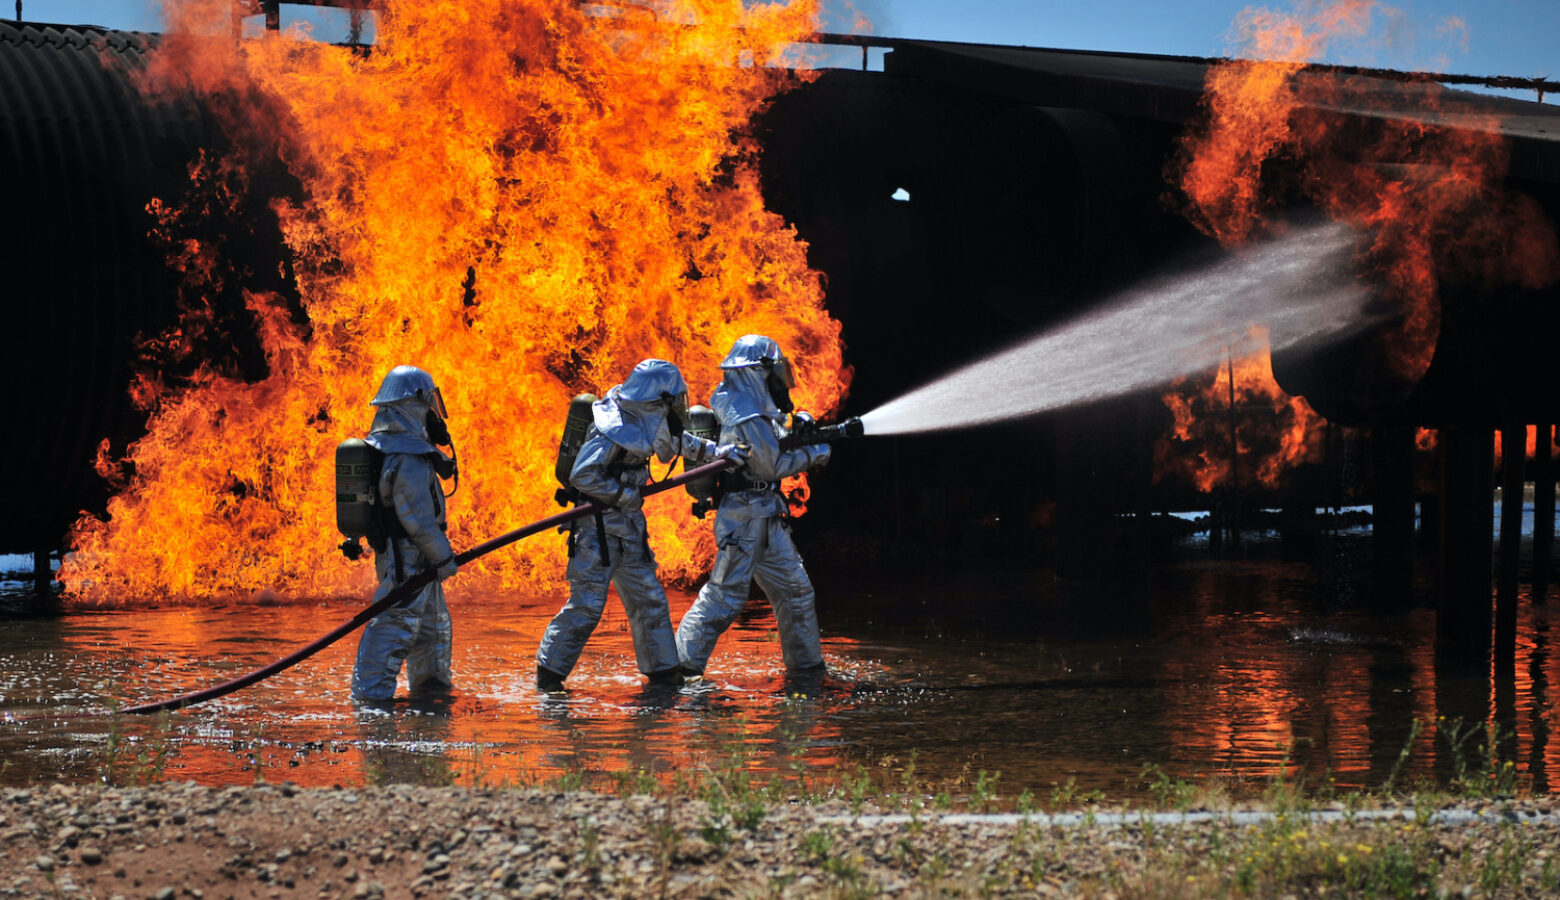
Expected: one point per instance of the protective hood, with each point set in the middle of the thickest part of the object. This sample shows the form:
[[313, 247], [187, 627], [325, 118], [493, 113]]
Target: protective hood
[[651, 380], [638, 427], [633, 414], [744, 394], [752, 350], [401, 427]]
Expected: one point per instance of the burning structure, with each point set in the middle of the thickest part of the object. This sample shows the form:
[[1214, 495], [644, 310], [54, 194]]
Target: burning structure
[[529, 199]]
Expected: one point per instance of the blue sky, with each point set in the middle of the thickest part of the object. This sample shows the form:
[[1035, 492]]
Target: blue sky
[[1494, 37]]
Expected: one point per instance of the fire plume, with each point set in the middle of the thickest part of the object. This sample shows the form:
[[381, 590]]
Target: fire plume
[[524, 199], [1407, 163]]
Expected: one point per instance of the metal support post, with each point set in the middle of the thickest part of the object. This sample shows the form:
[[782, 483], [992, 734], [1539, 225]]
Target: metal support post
[[43, 574], [1466, 481], [1513, 461], [1543, 509], [1392, 510]]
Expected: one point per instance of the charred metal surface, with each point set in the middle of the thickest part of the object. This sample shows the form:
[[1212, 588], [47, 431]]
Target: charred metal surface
[[1169, 89], [1157, 88], [1011, 215], [84, 154], [86, 282]]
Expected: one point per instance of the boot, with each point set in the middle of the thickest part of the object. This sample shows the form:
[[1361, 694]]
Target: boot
[[672, 677], [548, 681]]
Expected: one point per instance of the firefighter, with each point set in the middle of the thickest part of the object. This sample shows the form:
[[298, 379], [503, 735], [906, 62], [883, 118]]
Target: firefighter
[[409, 419], [752, 536], [641, 418]]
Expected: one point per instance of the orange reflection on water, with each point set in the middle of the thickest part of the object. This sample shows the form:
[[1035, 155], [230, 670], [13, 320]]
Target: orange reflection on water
[[1327, 714], [301, 725], [1235, 669], [1345, 695], [1264, 692], [1532, 705]]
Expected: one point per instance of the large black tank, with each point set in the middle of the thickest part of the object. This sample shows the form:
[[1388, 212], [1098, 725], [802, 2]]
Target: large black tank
[[85, 151], [83, 154]]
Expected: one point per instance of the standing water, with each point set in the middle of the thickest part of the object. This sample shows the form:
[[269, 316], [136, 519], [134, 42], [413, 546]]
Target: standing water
[[1212, 669], [1298, 289]]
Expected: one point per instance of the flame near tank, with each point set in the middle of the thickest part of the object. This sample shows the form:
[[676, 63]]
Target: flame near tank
[[1432, 197], [524, 199], [1273, 432]]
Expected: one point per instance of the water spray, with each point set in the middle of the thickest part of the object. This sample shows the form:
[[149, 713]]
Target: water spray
[[1297, 289]]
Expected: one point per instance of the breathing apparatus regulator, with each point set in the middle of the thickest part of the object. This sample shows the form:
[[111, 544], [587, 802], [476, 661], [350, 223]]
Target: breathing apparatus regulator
[[446, 467]]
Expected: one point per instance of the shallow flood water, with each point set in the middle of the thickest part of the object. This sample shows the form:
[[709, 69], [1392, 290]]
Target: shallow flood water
[[1210, 668]]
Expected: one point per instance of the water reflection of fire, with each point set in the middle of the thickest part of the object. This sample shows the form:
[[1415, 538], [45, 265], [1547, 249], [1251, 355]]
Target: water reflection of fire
[[496, 731], [1274, 133], [524, 199]]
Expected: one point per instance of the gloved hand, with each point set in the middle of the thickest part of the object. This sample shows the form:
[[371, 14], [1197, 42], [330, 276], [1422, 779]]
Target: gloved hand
[[446, 569], [737, 453], [819, 454], [630, 500]]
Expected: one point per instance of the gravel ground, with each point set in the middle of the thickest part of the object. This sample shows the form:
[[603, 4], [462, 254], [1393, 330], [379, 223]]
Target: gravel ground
[[171, 841]]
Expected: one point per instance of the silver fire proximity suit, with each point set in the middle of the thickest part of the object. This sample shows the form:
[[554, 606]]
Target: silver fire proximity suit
[[416, 630], [630, 426], [752, 537]]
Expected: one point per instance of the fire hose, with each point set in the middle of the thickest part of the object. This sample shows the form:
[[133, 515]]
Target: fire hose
[[402, 592]]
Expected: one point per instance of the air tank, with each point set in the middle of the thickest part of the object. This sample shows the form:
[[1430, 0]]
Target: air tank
[[702, 423], [575, 427]]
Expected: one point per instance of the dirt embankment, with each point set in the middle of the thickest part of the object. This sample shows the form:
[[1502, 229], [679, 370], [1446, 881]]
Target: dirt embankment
[[182, 840]]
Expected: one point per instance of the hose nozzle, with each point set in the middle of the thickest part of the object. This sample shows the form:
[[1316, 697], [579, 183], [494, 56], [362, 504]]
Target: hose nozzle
[[824, 434]]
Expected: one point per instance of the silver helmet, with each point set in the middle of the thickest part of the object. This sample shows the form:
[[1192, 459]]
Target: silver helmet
[[758, 350], [410, 382]]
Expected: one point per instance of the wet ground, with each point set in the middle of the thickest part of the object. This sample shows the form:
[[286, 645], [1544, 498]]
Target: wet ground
[[1210, 668]]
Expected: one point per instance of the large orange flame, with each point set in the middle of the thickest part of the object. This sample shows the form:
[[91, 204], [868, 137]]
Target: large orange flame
[[1421, 174], [1273, 432], [523, 198]]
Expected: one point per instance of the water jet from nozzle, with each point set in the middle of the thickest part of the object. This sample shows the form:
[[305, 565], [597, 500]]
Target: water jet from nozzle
[[1296, 289]]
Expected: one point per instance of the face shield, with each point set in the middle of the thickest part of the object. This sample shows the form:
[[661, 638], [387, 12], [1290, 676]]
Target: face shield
[[436, 403], [778, 378], [434, 421], [676, 412], [782, 367]]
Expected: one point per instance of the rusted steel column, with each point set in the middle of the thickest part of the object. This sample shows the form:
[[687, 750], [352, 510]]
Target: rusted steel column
[[1467, 521], [1543, 509], [1513, 444], [1392, 510]]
